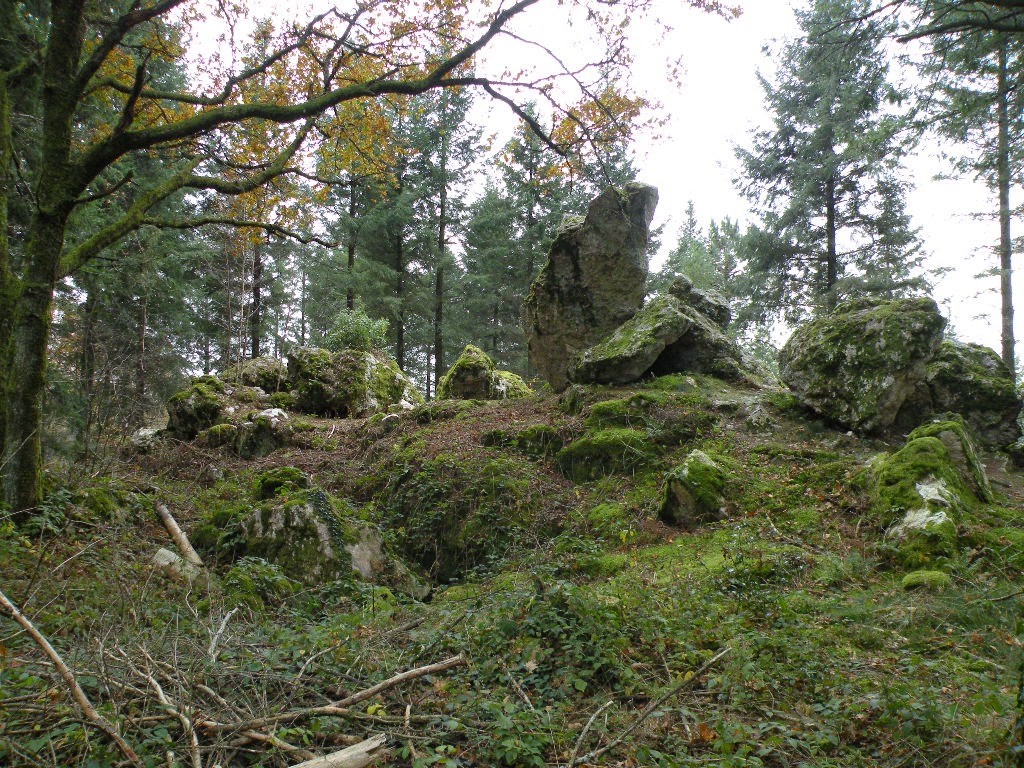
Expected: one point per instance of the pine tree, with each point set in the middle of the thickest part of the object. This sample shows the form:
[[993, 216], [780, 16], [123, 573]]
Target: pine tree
[[975, 98], [824, 176]]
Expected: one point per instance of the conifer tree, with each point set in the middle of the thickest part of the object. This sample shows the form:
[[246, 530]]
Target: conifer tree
[[824, 177]]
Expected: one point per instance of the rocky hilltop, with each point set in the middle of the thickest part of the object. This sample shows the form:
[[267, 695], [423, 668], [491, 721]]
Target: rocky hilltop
[[670, 558]]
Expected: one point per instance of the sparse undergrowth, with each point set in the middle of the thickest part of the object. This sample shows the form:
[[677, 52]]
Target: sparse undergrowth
[[561, 587]]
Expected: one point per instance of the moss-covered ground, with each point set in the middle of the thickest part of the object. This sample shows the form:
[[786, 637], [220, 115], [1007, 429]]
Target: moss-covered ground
[[576, 608]]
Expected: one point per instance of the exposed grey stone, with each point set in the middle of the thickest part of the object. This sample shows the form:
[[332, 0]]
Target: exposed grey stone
[[709, 303], [860, 364], [973, 381]]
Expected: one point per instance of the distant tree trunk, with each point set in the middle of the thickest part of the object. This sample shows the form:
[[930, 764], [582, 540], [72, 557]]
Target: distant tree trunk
[[1003, 181], [400, 296], [138, 413], [87, 365], [831, 257], [350, 298], [302, 311], [256, 311]]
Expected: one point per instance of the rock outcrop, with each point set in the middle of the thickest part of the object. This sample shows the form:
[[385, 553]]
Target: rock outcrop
[[267, 373], [474, 376], [925, 492], [312, 543], [195, 409], [593, 280], [681, 332], [860, 364], [348, 383], [973, 381]]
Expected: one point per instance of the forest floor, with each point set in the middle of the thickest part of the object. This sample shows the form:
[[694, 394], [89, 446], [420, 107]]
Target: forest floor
[[584, 631]]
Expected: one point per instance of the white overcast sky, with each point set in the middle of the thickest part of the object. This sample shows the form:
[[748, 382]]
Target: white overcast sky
[[720, 103], [717, 106]]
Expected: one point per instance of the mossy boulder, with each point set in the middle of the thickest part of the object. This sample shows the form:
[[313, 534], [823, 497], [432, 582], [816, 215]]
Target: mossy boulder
[[348, 383], [456, 512], [262, 433], [927, 581], [920, 496], [218, 436], [539, 441], [474, 376], [973, 381], [314, 540], [693, 492], [592, 282], [858, 365], [195, 409], [952, 430], [605, 452], [267, 373], [666, 336], [303, 535], [268, 484], [711, 304]]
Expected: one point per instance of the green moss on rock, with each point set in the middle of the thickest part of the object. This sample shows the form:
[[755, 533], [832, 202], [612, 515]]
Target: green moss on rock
[[953, 432], [928, 581], [858, 365], [218, 435], [474, 376], [972, 380], [920, 495], [605, 452], [539, 441], [270, 483], [452, 513], [348, 383], [195, 409], [693, 492]]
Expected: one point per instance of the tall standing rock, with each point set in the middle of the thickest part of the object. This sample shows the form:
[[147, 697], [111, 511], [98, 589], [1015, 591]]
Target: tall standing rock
[[593, 281]]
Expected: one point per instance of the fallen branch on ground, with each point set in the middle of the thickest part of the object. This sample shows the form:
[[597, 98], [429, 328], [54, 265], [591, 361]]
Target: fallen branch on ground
[[686, 682], [93, 717], [356, 756], [184, 545]]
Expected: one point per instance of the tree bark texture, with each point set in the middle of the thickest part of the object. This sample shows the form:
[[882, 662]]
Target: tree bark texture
[[1005, 242]]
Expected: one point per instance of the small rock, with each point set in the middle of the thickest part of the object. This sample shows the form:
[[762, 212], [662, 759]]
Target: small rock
[[176, 567], [692, 495]]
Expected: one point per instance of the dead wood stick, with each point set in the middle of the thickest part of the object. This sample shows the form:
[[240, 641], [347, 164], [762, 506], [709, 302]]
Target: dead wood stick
[[401, 677], [91, 715], [686, 682], [274, 741], [586, 729], [184, 545], [356, 756], [339, 708]]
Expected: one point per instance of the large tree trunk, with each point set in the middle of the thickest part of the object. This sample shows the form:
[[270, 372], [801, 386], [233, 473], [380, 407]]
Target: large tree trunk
[[1003, 180], [28, 296], [26, 374]]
